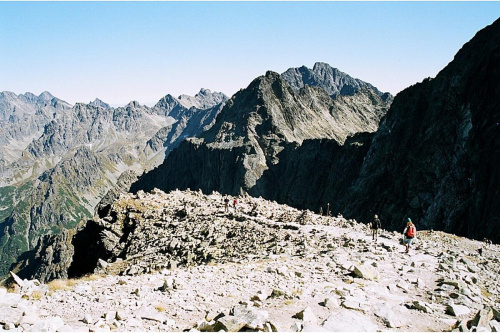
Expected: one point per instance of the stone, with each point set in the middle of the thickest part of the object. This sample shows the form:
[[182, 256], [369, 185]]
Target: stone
[[363, 272], [331, 303], [296, 327], [495, 326], [121, 315], [307, 315], [393, 317], [457, 310], [50, 324], [9, 326], [345, 320], [30, 319], [229, 324], [482, 318], [103, 263], [261, 296], [253, 318], [422, 306], [352, 304], [18, 280], [150, 313], [312, 327], [87, 319], [110, 316]]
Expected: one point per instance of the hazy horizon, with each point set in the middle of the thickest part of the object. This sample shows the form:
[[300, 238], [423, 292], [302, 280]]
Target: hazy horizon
[[124, 51]]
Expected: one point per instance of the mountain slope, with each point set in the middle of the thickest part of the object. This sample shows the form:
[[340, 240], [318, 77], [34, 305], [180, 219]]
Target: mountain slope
[[22, 119]]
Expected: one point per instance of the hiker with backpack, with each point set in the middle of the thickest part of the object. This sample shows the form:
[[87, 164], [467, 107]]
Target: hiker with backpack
[[409, 234], [375, 226]]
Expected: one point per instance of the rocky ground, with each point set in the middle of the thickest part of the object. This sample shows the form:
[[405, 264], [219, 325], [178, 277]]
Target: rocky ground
[[188, 264]]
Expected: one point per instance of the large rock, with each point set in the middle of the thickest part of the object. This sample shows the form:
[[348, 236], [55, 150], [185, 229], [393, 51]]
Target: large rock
[[349, 321], [364, 272]]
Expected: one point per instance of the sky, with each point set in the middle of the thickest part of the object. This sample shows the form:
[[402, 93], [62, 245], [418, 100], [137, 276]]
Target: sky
[[124, 51]]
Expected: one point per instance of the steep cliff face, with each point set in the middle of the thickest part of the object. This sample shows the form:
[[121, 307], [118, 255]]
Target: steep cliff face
[[314, 174], [436, 156], [254, 129]]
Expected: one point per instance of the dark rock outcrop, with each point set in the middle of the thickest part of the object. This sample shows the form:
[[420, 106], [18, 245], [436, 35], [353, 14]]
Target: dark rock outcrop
[[49, 260], [436, 156]]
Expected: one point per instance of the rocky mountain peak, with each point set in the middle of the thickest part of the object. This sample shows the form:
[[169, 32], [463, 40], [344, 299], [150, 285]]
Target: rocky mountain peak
[[46, 96], [204, 99], [329, 78], [99, 103], [133, 104]]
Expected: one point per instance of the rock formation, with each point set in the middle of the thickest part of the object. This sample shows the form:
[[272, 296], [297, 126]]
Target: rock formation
[[333, 81]]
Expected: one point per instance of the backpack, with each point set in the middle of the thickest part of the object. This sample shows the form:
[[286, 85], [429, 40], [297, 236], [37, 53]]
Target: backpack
[[411, 231]]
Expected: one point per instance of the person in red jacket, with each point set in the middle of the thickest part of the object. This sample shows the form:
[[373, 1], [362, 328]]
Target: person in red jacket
[[409, 234]]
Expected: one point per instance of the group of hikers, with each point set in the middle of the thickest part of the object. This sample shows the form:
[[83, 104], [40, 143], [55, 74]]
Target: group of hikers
[[226, 204], [409, 233]]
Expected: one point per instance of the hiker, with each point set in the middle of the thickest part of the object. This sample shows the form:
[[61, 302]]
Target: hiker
[[226, 204], [375, 226], [409, 233], [235, 203], [328, 209], [321, 211]]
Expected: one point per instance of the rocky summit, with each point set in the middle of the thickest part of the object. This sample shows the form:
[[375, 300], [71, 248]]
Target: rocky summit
[[257, 125], [185, 261]]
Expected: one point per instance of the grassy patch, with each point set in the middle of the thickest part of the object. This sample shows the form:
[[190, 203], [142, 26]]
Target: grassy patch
[[56, 285], [90, 277], [160, 307], [36, 295]]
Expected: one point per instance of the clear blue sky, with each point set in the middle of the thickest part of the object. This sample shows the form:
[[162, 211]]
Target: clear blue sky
[[123, 51]]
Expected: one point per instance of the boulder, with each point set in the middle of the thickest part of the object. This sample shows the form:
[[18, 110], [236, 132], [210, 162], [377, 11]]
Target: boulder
[[364, 272], [307, 315], [229, 324], [344, 320], [150, 313], [457, 310], [393, 317], [331, 303], [482, 318], [254, 319]]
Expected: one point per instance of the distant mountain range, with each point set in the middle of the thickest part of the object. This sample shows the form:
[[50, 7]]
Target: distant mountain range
[[58, 160]]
